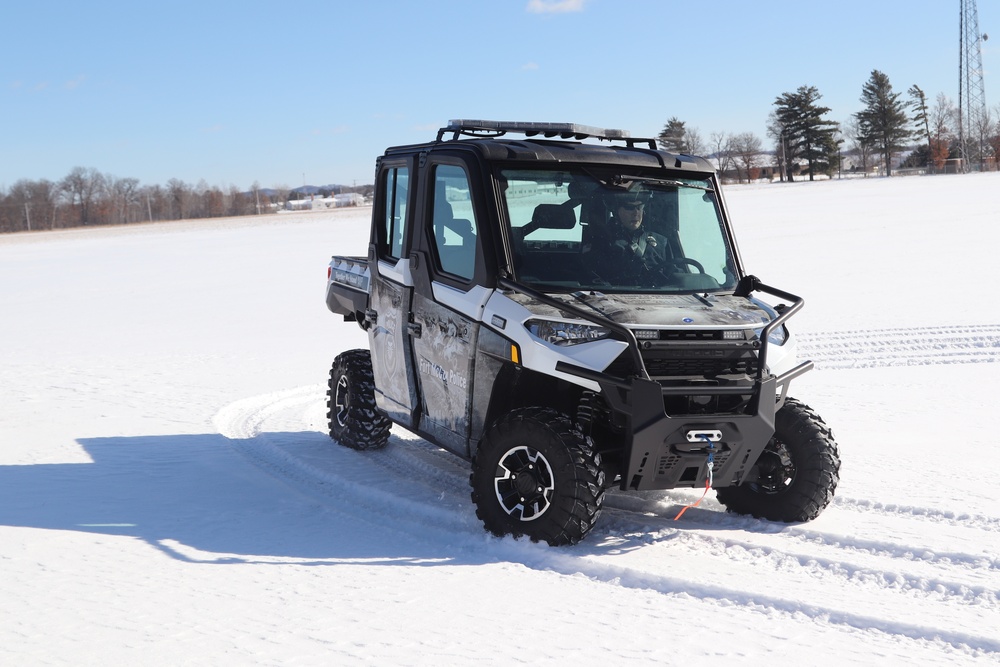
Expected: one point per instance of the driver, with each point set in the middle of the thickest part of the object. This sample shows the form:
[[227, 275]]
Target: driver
[[628, 251]]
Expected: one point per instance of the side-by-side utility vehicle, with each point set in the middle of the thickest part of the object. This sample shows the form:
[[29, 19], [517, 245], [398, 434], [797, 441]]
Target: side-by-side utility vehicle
[[566, 309]]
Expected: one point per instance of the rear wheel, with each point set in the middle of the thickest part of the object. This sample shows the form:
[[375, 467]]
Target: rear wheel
[[355, 421], [536, 474], [796, 475]]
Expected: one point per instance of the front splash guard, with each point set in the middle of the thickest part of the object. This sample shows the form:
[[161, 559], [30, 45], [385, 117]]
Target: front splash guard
[[660, 455]]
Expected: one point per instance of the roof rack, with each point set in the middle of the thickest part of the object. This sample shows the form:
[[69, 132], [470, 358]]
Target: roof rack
[[486, 129]]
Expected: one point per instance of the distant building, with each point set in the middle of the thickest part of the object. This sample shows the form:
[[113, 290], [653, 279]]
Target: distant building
[[315, 203], [348, 199]]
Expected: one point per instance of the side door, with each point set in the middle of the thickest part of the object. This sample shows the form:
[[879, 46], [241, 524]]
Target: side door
[[448, 300], [392, 292]]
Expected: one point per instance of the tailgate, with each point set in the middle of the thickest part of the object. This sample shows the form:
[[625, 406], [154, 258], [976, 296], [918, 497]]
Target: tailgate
[[347, 286]]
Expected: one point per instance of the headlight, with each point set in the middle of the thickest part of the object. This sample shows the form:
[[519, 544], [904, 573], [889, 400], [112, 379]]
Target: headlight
[[777, 337], [565, 333]]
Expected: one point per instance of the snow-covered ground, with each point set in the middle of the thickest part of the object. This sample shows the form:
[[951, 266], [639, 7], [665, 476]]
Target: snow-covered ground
[[168, 494]]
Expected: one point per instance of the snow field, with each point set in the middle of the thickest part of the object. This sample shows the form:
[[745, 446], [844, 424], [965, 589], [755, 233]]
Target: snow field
[[168, 494]]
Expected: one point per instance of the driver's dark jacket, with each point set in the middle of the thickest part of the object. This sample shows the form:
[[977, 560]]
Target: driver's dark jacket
[[617, 253]]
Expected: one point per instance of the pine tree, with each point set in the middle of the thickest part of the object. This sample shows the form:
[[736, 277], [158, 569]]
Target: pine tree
[[883, 121], [805, 133], [920, 117], [673, 137]]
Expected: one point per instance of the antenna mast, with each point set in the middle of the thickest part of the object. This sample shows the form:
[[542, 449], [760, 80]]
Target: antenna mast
[[972, 116]]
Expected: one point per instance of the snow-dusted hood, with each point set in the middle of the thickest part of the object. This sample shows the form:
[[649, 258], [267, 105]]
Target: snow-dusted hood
[[682, 310]]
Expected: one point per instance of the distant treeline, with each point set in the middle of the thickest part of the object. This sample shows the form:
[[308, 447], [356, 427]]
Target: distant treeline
[[87, 197]]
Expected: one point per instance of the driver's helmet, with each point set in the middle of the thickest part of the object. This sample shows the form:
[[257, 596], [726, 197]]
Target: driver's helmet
[[630, 198]]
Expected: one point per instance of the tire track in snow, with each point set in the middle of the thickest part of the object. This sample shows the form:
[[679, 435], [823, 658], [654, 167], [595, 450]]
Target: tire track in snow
[[843, 571], [628, 577], [715, 517], [267, 431], [416, 488], [416, 471], [654, 503], [829, 556], [441, 473], [878, 348], [975, 521]]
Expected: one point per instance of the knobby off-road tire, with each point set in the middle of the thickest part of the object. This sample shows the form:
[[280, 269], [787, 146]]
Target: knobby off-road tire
[[798, 471], [355, 421], [536, 474]]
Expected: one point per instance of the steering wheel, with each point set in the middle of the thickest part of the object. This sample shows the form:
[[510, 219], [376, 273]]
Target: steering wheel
[[686, 261]]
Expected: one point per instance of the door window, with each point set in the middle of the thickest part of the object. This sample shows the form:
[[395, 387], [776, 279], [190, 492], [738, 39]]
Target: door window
[[454, 222], [394, 203]]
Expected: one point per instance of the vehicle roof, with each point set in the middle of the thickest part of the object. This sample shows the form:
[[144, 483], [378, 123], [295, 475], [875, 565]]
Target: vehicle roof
[[499, 148]]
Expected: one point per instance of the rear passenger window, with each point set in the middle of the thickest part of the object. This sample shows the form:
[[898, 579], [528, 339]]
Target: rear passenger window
[[454, 222], [393, 205]]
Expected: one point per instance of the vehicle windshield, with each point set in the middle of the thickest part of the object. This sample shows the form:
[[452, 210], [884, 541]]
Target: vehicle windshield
[[616, 231]]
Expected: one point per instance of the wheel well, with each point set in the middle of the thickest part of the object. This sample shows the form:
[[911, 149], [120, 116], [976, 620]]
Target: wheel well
[[518, 387]]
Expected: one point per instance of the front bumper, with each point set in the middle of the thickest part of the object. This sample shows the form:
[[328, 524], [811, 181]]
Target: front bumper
[[663, 451]]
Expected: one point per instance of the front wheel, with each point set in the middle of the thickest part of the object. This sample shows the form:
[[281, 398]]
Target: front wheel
[[797, 473], [355, 421], [536, 474]]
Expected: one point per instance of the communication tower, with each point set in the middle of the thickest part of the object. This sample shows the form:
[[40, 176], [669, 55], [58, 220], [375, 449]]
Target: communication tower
[[972, 116]]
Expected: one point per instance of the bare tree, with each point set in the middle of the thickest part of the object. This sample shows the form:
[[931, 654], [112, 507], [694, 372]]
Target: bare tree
[[179, 198], [942, 118], [776, 131], [30, 205], [281, 193], [983, 128], [17, 205], [124, 199], [857, 144], [82, 187], [994, 140], [213, 203], [85, 196], [148, 203], [695, 144], [748, 147], [722, 147], [240, 203], [8, 215]]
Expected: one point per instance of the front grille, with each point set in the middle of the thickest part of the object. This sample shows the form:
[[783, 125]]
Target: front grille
[[697, 353], [696, 362], [686, 354], [691, 364], [689, 334]]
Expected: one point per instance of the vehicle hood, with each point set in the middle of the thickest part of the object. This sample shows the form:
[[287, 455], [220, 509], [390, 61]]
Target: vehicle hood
[[680, 310]]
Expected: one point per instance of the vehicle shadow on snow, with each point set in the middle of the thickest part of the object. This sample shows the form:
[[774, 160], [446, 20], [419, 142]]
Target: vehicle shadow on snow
[[200, 498], [196, 499]]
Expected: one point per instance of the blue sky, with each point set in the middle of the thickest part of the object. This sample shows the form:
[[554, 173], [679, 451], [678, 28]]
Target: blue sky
[[283, 93]]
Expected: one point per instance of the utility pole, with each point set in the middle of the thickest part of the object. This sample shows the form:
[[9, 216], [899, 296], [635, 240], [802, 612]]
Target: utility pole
[[971, 92], [785, 171]]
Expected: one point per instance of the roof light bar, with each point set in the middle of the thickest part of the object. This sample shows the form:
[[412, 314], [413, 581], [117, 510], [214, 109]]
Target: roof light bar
[[531, 129]]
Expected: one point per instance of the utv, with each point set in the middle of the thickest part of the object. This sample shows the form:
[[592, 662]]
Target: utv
[[518, 318]]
